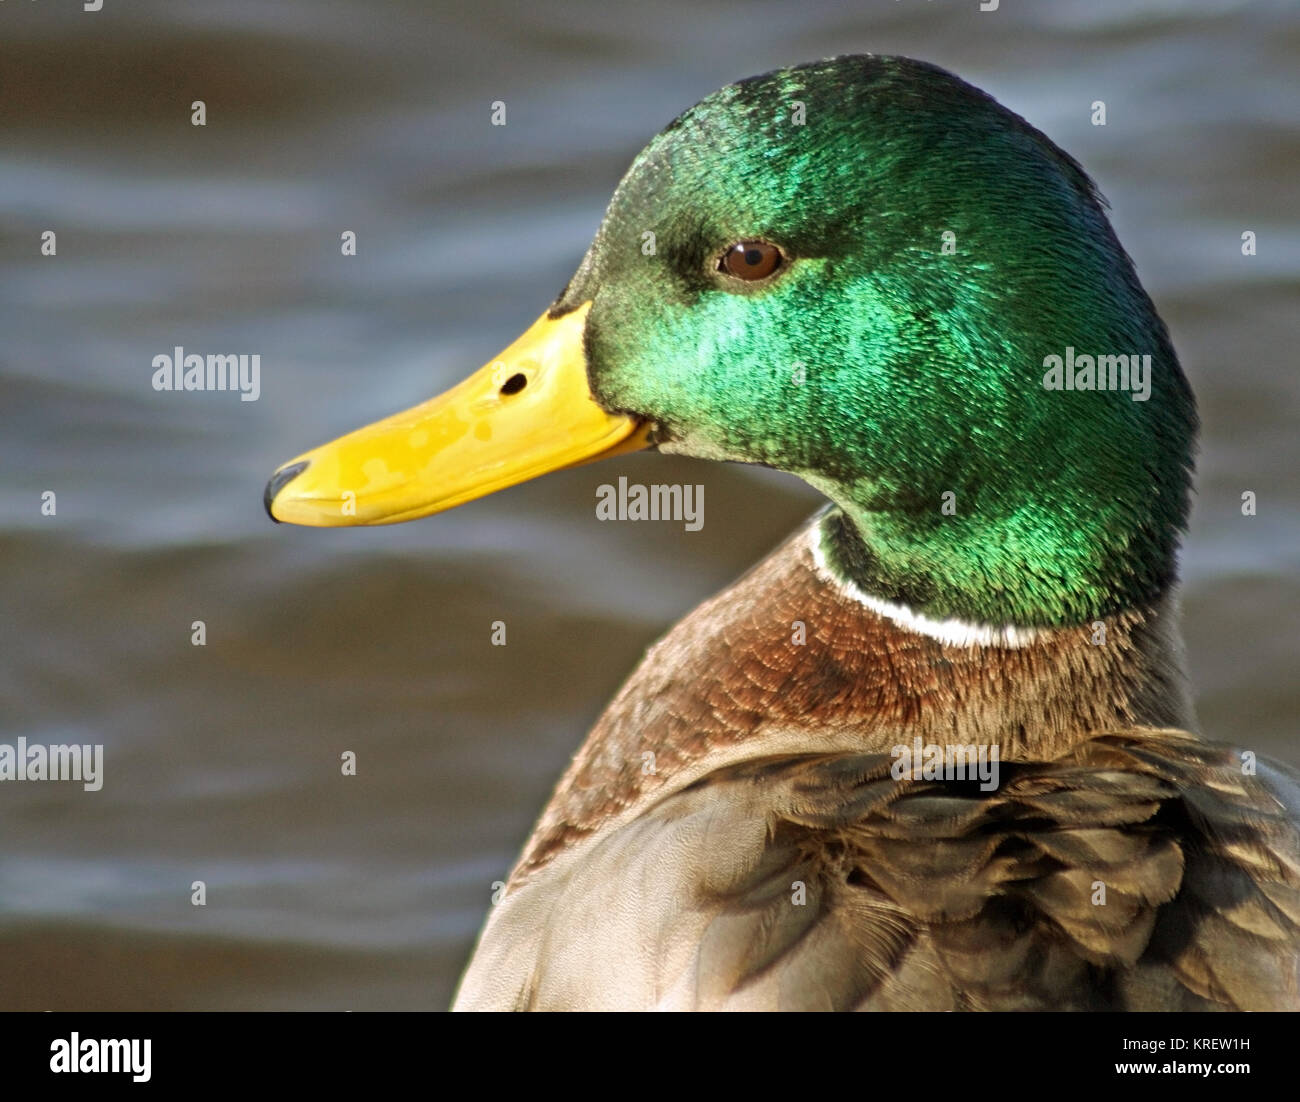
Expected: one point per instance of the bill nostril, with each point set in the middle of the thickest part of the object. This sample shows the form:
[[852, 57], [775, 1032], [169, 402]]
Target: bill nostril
[[279, 480]]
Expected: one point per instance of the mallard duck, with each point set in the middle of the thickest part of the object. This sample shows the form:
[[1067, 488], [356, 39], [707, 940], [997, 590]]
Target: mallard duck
[[936, 751]]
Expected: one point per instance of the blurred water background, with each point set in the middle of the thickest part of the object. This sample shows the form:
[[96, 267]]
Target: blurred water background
[[222, 761]]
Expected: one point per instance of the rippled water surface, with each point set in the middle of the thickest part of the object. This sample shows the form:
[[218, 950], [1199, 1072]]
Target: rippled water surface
[[222, 761]]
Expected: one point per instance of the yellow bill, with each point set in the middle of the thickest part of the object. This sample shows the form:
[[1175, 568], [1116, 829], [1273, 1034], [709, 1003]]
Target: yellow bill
[[527, 412]]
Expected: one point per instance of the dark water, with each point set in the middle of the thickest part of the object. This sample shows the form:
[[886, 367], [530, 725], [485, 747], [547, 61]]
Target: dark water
[[222, 762]]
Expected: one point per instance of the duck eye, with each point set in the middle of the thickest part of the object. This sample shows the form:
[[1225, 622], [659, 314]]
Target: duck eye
[[751, 260]]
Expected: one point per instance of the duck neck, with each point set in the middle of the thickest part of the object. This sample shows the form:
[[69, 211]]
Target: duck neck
[[1122, 667], [788, 661], [1014, 573]]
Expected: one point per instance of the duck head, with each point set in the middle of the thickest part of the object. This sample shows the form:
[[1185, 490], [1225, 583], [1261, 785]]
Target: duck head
[[861, 271]]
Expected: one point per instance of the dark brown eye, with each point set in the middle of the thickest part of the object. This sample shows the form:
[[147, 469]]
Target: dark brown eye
[[750, 260]]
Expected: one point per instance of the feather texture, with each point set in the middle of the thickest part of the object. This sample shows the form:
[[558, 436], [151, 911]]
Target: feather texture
[[775, 861]]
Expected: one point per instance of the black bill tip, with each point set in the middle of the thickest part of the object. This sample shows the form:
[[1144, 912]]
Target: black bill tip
[[278, 482]]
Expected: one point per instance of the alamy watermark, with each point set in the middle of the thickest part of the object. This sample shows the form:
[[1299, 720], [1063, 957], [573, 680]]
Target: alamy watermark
[[637, 502], [60, 762], [182, 371], [1084, 372], [117, 1056], [931, 762]]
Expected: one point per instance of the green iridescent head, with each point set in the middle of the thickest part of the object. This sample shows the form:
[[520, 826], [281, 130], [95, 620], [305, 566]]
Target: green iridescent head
[[933, 252]]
